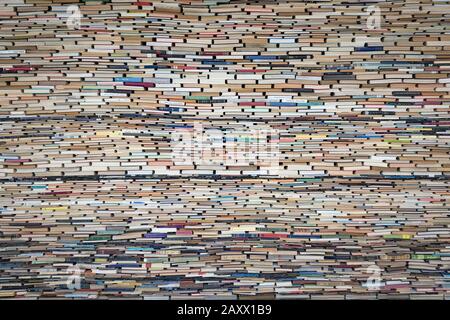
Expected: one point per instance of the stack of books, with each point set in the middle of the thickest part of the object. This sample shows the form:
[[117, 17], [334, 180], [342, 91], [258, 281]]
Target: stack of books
[[224, 149]]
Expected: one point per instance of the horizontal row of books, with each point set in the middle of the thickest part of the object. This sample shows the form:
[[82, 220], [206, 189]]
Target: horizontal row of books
[[224, 149], [79, 147], [252, 237]]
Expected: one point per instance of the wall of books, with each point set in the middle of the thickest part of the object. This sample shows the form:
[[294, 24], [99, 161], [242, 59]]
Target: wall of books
[[224, 149]]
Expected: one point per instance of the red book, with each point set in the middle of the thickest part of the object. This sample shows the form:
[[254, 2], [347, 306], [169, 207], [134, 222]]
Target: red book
[[251, 70], [273, 235], [19, 69]]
